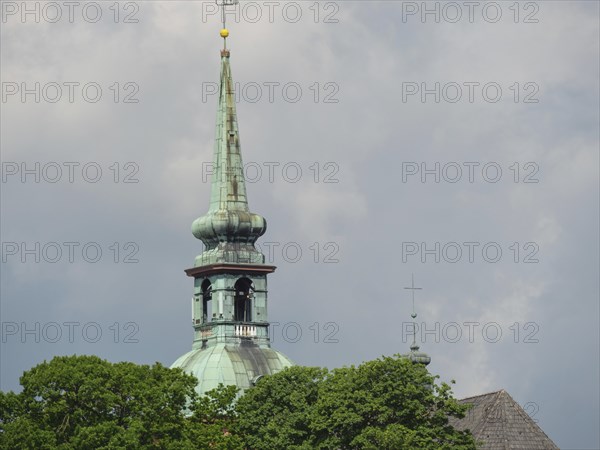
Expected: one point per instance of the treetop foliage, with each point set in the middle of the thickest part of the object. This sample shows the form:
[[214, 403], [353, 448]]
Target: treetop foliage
[[84, 402]]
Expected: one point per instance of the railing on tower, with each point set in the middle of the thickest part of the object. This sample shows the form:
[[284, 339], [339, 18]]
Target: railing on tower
[[245, 331]]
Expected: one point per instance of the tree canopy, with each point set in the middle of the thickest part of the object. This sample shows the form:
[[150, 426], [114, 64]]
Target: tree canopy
[[388, 403], [84, 402]]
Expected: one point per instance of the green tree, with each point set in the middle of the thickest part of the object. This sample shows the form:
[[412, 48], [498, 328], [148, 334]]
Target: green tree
[[210, 425], [389, 403], [277, 413], [84, 402]]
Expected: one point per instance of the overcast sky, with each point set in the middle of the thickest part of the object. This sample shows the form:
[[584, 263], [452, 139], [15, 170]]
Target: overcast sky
[[459, 145]]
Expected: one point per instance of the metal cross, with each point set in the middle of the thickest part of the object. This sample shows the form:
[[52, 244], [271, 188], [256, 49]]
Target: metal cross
[[223, 4], [413, 289]]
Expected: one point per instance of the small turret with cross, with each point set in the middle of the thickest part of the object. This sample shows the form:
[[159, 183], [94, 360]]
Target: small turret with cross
[[415, 355]]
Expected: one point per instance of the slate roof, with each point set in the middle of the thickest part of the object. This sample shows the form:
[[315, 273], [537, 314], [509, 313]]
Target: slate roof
[[500, 423]]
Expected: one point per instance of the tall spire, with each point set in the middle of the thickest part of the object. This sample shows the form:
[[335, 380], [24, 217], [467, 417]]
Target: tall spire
[[229, 306], [228, 230], [415, 355], [228, 189]]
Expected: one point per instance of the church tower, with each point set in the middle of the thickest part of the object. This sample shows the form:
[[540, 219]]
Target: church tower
[[229, 306]]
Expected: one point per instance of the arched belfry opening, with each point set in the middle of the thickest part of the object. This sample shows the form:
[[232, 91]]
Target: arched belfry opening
[[206, 289], [243, 300]]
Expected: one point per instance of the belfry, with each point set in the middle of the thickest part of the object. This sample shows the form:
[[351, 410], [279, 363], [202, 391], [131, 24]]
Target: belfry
[[229, 306]]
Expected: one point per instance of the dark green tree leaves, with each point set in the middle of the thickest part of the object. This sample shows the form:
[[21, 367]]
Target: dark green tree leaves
[[390, 403], [84, 402]]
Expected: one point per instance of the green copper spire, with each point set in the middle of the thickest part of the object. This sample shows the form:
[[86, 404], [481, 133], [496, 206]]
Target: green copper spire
[[228, 184], [229, 230]]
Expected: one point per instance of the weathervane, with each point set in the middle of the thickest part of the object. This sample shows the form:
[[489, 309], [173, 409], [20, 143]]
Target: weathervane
[[412, 288], [224, 31]]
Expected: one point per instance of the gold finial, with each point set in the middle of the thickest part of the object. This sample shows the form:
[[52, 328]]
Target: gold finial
[[224, 31]]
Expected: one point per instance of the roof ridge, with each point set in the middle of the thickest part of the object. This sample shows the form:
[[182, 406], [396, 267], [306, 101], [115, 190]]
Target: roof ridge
[[481, 424], [527, 419], [483, 395], [499, 420]]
